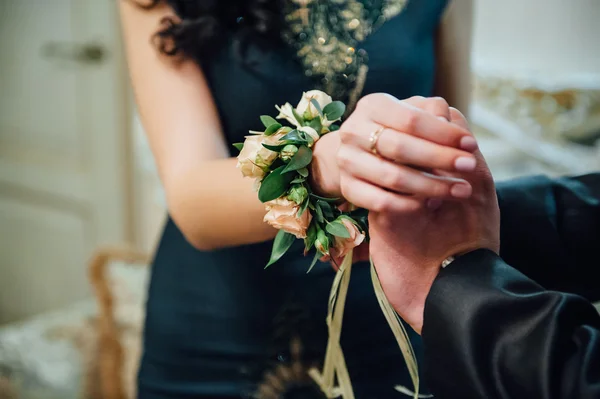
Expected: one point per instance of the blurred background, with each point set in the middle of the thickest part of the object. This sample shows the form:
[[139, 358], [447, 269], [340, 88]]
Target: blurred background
[[81, 206]]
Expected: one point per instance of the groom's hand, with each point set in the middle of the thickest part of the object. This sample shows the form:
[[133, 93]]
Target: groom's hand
[[408, 248]]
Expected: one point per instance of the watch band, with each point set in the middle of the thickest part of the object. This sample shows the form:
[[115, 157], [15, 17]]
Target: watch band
[[447, 261]]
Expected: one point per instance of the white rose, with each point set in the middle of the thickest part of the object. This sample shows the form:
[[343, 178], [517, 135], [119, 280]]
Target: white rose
[[311, 132], [306, 108], [283, 214], [286, 112], [254, 157]]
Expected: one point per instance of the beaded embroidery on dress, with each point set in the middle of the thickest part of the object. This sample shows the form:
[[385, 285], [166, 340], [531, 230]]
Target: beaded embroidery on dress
[[327, 35]]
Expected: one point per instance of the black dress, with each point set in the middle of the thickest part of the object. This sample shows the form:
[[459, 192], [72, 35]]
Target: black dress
[[218, 325]]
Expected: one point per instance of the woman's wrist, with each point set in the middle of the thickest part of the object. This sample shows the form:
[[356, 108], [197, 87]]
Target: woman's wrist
[[325, 174]]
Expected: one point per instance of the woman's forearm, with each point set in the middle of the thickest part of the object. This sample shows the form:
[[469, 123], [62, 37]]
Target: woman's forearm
[[215, 206]]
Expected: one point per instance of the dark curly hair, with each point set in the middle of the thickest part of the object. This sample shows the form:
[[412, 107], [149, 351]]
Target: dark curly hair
[[204, 24]]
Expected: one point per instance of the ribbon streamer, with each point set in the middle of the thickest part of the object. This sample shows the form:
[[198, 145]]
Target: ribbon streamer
[[399, 332], [335, 364]]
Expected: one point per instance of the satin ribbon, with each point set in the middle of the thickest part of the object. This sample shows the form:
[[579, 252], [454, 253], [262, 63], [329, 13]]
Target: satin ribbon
[[334, 366]]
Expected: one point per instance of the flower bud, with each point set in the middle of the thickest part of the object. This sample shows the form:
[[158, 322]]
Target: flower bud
[[322, 243], [298, 194], [288, 152], [307, 109]]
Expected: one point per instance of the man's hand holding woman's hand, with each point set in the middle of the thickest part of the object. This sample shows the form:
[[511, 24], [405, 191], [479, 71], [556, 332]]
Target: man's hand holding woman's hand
[[412, 136], [392, 154], [428, 188]]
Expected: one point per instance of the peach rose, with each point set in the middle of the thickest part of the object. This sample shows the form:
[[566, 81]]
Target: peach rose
[[341, 246], [283, 214], [254, 157]]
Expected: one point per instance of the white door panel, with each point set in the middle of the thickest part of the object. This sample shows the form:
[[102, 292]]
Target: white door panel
[[63, 148]]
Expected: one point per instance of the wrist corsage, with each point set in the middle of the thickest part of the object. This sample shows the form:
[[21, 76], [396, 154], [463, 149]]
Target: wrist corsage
[[278, 158]]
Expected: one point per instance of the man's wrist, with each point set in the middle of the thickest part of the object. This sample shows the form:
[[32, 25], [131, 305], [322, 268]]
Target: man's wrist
[[409, 293]]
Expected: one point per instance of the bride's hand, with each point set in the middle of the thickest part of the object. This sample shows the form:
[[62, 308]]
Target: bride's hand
[[414, 136]]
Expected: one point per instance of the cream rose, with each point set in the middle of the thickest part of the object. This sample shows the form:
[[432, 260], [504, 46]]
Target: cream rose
[[311, 132], [254, 157], [341, 246], [283, 214], [286, 112], [307, 109]]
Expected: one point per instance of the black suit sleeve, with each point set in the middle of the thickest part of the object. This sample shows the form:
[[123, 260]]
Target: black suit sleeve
[[491, 332], [550, 231]]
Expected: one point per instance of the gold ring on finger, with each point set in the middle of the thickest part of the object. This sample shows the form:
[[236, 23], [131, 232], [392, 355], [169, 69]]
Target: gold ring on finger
[[373, 138]]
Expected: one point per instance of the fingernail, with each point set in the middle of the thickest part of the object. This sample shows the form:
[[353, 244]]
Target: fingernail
[[443, 118], [461, 190], [465, 164], [434, 203], [468, 143]]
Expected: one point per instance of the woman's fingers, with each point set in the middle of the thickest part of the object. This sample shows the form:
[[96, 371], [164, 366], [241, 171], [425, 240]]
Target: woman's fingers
[[403, 117], [434, 105], [409, 150], [398, 178], [376, 199]]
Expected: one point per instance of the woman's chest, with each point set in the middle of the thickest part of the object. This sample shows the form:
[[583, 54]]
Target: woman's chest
[[401, 62]]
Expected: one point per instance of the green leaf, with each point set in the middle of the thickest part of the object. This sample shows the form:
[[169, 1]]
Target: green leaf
[[337, 229], [334, 111], [303, 172], [324, 199], [276, 148], [361, 221], [303, 207], [316, 124], [320, 217], [283, 242], [311, 236], [298, 180], [300, 160], [333, 128], [275, 185], [314, 261], [295, 136], [317, 106], [348, 218], [239, 146], [326, 208], [272, 129], [267, 120], [299, 119]]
